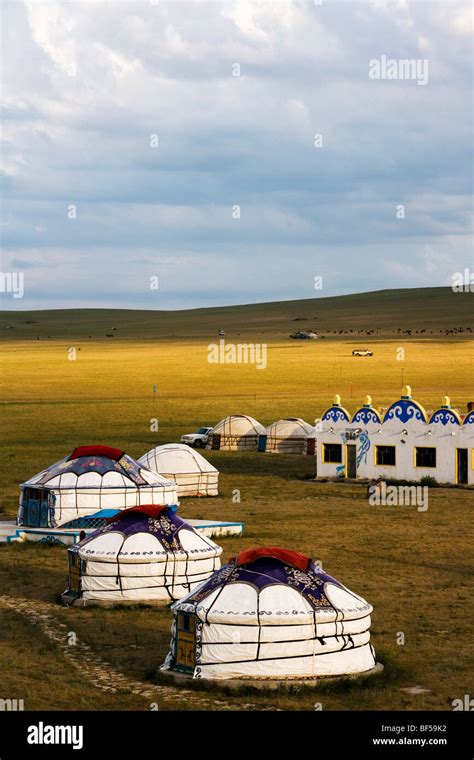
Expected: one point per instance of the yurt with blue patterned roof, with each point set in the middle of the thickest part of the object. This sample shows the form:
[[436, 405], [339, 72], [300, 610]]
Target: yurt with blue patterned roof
[[90, 479], [143, 554], [271, 613]]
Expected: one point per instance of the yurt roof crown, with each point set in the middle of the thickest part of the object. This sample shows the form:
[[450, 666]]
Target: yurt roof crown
[[94, 459]]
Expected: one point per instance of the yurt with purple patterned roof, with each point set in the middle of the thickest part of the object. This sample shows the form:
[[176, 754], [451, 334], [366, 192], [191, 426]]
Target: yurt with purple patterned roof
[[144, 554], [271, 614], [90, 479]]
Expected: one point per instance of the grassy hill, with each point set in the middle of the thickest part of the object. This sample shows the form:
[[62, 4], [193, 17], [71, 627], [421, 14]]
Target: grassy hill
[[384, 313], [103, 394]]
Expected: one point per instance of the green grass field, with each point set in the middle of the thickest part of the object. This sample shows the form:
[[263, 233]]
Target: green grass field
[[413, 567]]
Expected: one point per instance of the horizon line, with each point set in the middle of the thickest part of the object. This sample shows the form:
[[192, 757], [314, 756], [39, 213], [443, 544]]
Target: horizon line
[[225, 306]]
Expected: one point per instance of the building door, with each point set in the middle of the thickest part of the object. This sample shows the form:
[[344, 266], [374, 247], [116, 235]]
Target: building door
[[461, 465], [351, 460]]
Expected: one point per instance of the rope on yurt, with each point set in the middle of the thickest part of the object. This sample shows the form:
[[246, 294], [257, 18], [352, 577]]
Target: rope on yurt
[[315, 638], [348, 640], [200, 477], [335, 622], [118, 578], [187, 582], [165, 578], [296, 656], [60, 506], [259, 626], [217, 597], [170, 593], [173, 553]]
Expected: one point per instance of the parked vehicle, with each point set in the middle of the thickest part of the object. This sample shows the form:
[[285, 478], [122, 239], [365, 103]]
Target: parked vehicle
[[198, 439], [362, 352], [304, 335]]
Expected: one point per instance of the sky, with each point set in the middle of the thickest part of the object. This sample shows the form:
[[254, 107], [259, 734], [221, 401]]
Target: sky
[[171, 155]]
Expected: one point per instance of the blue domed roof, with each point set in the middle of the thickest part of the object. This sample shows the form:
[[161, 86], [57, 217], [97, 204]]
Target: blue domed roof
[[336, 412], [445, 416], [405, 409], [367, 414]]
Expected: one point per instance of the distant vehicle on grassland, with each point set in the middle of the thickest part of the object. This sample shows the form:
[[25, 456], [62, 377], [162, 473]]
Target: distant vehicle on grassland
[[198, 439], [362, 352], [304, 335]]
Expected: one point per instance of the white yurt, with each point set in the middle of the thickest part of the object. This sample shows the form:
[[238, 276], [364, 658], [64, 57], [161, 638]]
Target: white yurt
[[90, 479], [236, 432], [189, 470], [143, 554], [287, 436], [270, 614]]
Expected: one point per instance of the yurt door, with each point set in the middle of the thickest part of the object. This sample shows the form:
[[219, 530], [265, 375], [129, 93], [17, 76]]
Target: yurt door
[[351, 461], [35, 507], [461, 465], [185, 642]]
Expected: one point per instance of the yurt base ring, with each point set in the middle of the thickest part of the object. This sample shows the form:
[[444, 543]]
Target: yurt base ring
[[71, 600], [272, 684]]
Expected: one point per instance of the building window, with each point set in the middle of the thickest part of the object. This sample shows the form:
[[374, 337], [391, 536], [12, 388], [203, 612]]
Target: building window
[[332, 453], [385, 455], [425, 457]]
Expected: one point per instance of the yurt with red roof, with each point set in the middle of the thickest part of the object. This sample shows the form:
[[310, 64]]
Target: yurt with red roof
[[143, 554], [92, 478], [271, 614]]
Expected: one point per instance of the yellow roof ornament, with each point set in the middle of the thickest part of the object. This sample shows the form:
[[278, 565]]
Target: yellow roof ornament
[[406, 392]]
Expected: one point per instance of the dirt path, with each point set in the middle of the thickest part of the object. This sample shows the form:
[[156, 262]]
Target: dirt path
[[100, 673]]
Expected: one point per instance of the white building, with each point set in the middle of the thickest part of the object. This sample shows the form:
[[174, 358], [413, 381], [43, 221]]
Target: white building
[[403, 444]]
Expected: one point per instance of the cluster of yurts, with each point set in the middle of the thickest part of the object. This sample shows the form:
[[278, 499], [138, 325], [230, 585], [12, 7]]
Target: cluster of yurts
[[269, 613], [239, 431]]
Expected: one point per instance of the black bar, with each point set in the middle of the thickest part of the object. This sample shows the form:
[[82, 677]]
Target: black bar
[[137, 735]]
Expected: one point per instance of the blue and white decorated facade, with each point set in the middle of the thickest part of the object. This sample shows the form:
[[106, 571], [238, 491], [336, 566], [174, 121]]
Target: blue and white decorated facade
[[403, 443]]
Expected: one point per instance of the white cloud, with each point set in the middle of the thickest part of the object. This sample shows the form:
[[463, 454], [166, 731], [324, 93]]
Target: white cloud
[[87, 84]]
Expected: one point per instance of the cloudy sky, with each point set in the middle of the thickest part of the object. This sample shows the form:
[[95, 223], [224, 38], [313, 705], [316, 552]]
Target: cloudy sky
[[177, 140]]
